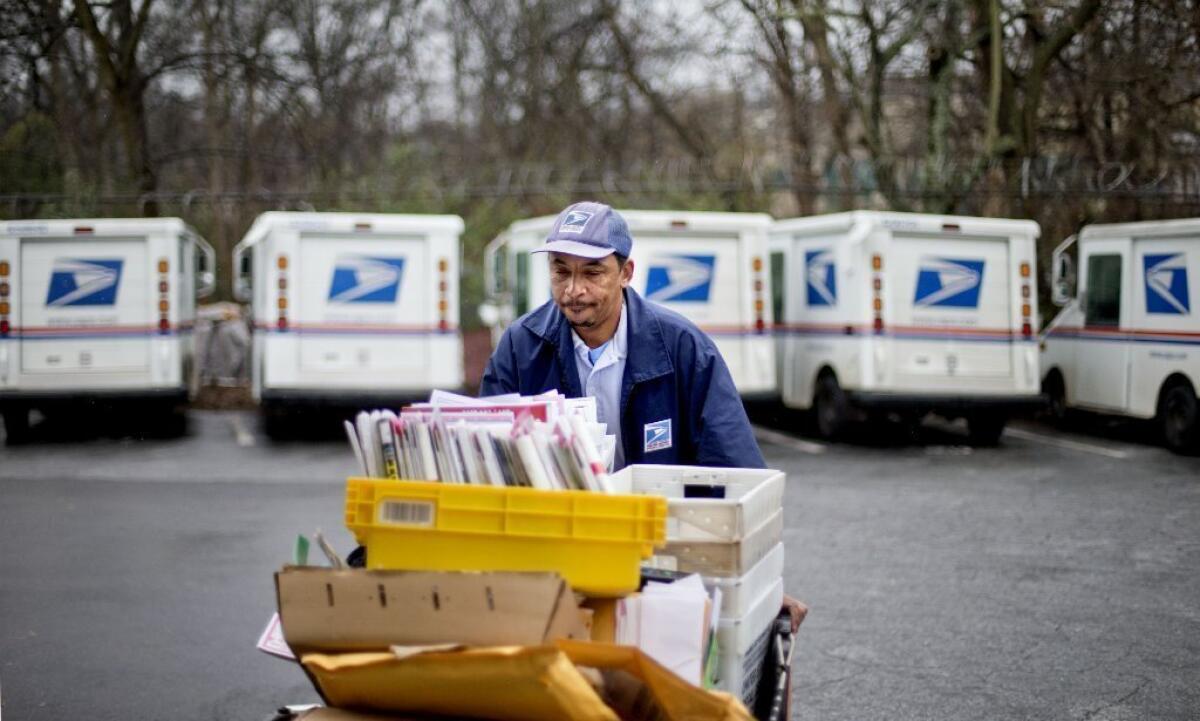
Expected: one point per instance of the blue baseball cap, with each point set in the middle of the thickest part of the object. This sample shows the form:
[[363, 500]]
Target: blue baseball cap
[[588, 230]]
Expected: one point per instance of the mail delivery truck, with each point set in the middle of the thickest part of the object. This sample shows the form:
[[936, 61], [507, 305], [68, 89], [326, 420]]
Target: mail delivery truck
[[709, 267], [350, 309], [906, 313], [98, 312], [1127, 341]]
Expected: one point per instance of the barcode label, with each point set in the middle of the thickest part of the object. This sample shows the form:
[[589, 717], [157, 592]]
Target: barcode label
[[406, 513]]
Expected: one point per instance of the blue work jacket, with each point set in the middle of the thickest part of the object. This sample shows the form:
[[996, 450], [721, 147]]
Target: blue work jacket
[[678, 402]]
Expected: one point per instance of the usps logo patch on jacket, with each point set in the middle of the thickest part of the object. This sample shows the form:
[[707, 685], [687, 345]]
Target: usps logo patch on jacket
[[657, 435]]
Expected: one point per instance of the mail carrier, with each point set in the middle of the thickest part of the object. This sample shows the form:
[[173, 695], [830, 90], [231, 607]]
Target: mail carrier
[[1128, 342], [351, 309], [906, 313], [709, 267], [98, 311]]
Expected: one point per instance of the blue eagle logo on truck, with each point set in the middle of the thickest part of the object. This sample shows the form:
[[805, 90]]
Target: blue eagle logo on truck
[[77, 282], [948, 283], [820, 277], [360, 279], [1167, 284], [680, 278]]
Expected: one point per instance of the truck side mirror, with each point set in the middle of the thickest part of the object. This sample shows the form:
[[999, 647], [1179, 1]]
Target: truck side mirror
[[1063, 285], [489, 314], [1062, 274], [243, 264], [206, 270]]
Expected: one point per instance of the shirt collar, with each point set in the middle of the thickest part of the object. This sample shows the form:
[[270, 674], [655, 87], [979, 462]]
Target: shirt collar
[[618, 343]]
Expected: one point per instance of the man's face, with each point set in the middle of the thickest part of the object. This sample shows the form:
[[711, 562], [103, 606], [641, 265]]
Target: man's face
[[588, 291]]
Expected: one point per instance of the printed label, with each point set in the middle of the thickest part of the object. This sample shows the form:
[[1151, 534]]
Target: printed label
[[406, 513]]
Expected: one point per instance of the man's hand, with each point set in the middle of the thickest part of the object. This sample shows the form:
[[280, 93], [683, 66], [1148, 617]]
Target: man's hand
[[796, 609]]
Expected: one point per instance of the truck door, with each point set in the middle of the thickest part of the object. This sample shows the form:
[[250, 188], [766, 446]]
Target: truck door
[[85, 306], [949, 309], [706, 278], [364, 303], [1104, 362]]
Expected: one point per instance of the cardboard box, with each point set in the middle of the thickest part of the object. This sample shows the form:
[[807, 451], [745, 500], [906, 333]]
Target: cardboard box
[[333, 611], [516, 651]]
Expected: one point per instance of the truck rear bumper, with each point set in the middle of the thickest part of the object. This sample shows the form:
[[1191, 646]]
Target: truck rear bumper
[[340, 399], [952, 404], [75, 398]]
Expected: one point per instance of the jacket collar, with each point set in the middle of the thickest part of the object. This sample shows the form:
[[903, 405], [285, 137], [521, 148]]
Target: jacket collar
[[647, 357]]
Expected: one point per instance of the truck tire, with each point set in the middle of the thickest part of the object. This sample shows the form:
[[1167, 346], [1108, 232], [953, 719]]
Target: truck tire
[[1179, 418], [985, 429], [831, 409], [16, 425], [276, 423]]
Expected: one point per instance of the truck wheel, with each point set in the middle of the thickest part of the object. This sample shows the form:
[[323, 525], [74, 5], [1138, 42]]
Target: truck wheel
[[831, 410], [16, 425], [985, 429], [1056, 398], [1179, 416], [275, 423]]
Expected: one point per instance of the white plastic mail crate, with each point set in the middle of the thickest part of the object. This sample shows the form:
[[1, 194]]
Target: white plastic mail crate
[[737, 634], [729, 559], [708, 504], [739, 594], [739, 674], [740, 649]]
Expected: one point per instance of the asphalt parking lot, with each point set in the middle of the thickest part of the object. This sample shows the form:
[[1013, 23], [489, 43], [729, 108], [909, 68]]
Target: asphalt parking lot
[[1052, 577]]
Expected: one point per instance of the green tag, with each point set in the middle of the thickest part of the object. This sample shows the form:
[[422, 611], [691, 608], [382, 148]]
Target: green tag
[[301, 558], [710, 662]]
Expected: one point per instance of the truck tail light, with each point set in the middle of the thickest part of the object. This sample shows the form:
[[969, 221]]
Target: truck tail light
[[443, 295], [877, 293], [5, 268], [1026, 306], [164, 296], [760, 322], [281, 299]]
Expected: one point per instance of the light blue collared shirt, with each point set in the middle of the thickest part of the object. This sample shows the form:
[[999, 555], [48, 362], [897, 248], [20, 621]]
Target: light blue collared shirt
[[602, 379]]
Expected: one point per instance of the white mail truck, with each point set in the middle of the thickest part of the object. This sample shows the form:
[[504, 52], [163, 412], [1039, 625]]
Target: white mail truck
[[904, 313], [709, 267], [350, 309], [98, 313], [1127, 341]]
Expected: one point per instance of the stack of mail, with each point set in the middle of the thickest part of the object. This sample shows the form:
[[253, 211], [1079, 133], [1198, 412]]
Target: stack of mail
[[674, 623], [547, 441]]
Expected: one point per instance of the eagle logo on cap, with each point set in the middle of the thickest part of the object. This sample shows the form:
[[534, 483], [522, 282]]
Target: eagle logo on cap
[[575, 221]]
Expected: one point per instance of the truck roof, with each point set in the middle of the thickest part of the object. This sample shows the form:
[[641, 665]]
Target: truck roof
[[341, 222], [919, 222], [83, 228], [1149, 227], [648, 221]]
